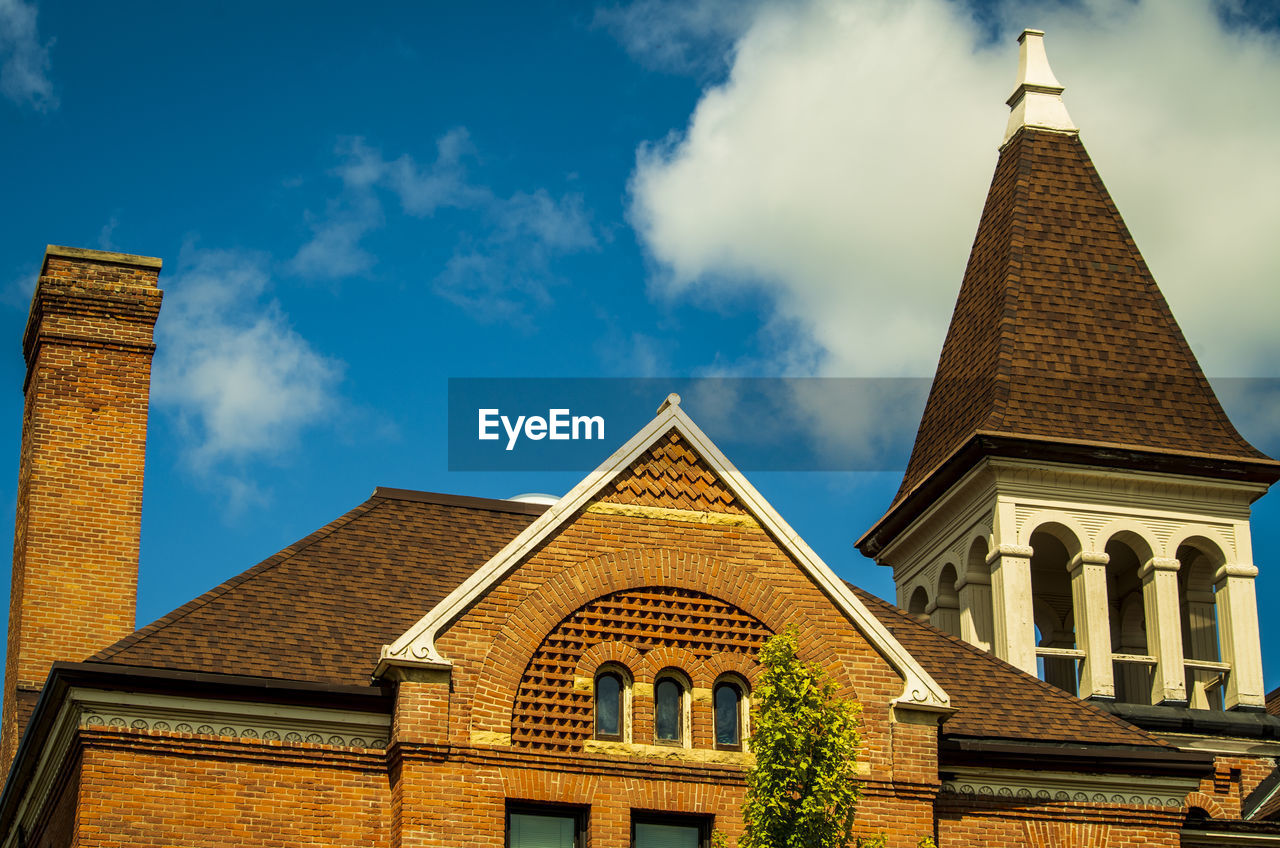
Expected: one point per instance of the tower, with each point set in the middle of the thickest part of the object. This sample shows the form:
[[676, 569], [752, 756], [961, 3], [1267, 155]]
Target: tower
[[1076, 499]]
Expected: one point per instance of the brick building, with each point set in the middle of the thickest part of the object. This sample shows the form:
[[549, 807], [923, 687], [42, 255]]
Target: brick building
[[1073, 661]]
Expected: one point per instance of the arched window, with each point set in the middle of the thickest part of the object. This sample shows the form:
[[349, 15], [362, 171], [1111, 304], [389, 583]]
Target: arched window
[[610, 715], [669, 709], [729, 702]]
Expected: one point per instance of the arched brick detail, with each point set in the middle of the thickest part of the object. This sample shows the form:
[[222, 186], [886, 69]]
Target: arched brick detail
[[602, 652], [670, 627], [532, 785], [509, 652], [745, 667], [1206, 803], [671, 656], [1047, 834]]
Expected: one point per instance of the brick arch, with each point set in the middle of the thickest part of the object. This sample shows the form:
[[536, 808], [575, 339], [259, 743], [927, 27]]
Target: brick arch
[[608, 652], [1206, 803], [747, 669], [670, 627], [1047, 834], [524, 784], [499, 673], [672, 656]]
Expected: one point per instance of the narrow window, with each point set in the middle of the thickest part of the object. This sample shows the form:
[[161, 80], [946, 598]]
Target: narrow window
[[728, 706], [668, 710], [609, 706]]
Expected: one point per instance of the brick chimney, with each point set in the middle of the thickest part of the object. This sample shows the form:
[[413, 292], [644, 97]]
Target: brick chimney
[[88, 347]]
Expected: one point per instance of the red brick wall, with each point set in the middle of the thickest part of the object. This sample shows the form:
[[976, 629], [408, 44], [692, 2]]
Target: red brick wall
[[88, 347], [145, 789]]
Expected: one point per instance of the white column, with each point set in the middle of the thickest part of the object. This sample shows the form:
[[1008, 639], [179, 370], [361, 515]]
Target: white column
[[1237, 605], [975, 609], [944, 615], [1159, 577], [1015, 629], [1088, 572], [1200, 642]]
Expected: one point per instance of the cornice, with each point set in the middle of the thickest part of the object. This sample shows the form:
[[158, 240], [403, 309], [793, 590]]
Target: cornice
[[1070, 786]]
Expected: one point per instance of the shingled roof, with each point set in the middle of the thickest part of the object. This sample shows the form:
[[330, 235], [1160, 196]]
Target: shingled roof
[[1061, 343], [330, 601]]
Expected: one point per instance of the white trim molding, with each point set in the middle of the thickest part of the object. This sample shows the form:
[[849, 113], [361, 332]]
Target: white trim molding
[[1071, 786], [417, 645]]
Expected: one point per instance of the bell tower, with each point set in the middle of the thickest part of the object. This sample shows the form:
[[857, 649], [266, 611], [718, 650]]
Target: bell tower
[[1076, 500]]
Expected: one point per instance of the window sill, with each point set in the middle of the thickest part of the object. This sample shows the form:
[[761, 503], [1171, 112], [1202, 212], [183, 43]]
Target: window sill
[[668, 752]]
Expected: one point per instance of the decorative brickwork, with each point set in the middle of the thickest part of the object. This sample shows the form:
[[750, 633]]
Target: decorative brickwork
[[551, 714], [670, 475]]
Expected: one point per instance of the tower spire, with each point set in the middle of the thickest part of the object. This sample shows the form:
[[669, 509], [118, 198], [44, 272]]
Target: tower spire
[[1037, 99]]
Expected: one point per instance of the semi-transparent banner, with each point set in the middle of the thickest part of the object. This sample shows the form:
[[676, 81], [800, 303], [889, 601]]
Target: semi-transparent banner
[[761, 424]]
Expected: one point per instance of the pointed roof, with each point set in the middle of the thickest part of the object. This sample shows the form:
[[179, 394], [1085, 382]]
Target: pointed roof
[[417, 645], [1061, 345]]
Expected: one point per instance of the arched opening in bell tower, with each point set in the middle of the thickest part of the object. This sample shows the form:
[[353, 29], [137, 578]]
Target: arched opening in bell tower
[[1199, 560], [1132, 664], [1053, 608]]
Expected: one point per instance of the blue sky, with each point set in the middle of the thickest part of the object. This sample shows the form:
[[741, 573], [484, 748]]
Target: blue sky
[[356, 203]]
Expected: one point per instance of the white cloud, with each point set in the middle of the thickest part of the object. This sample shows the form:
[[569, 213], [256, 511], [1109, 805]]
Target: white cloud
[[502, 267], [24, 60], [842, 164], [421, 189], [108, 230], [677, 35], [243, 382], [334, 250]]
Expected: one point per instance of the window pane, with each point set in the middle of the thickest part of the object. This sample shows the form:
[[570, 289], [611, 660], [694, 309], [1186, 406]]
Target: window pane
[[608, 701], [667, 697], [666, 835], [535, 831], [726, 700]]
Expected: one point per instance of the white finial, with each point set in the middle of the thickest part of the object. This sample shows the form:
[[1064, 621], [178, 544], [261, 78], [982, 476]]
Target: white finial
[[1037, 100], [673, 399]]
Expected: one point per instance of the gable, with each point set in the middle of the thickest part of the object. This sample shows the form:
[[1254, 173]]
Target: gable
[[668, 466]]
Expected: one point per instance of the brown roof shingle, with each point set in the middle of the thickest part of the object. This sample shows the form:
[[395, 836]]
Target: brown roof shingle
[[322, 608]]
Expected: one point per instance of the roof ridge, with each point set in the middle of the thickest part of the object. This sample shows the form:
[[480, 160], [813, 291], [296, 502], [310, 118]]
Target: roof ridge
[[281, 556], [1047, 688]]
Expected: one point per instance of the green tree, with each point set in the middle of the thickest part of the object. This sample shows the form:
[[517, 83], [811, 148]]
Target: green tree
[[802, 791]]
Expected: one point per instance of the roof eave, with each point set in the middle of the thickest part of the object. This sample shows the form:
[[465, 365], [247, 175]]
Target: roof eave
[[1068, 756], [1075, 452]]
